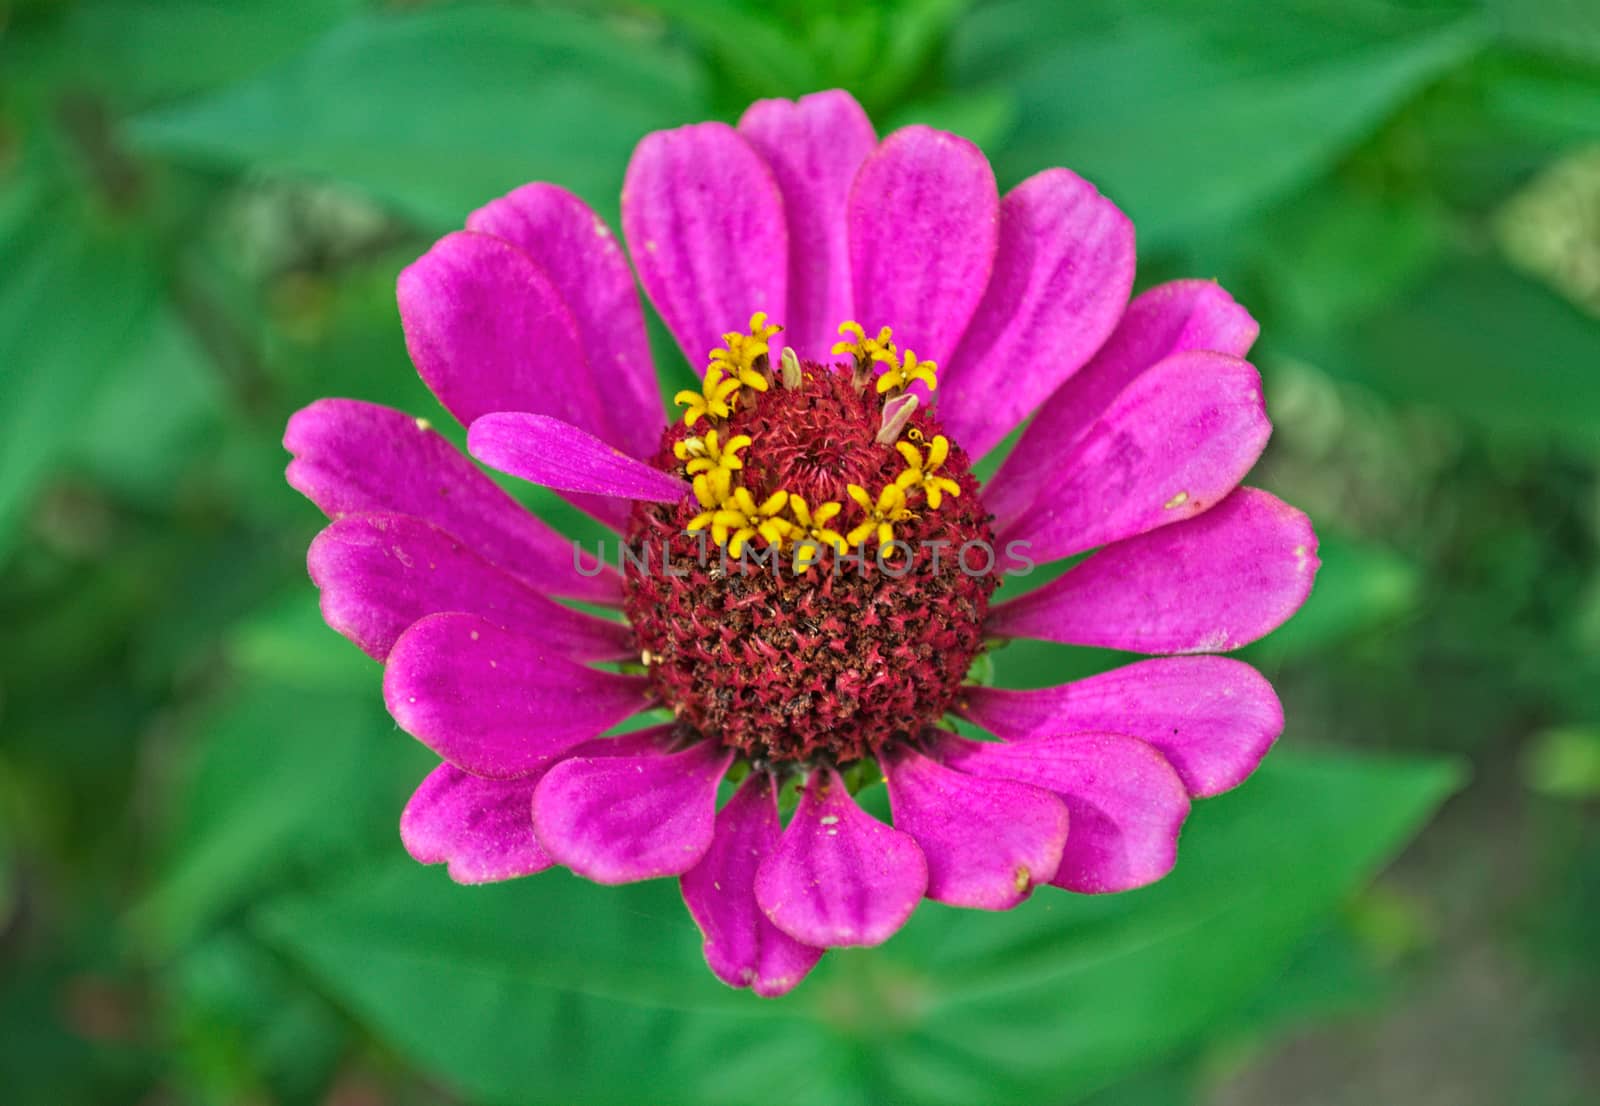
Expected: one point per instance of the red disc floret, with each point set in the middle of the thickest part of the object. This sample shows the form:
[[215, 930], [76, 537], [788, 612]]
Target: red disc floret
[[837, 661]]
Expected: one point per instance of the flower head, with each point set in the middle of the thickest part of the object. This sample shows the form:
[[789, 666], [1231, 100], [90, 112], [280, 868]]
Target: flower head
[[857, 555]]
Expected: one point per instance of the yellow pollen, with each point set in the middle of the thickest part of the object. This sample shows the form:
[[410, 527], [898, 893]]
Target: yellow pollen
[[882, 513], [711, 491], [709, 455], [904, 370], [812, 527], [863, 349], [741, 518], [736, 357], [711, 400], [923, 472]]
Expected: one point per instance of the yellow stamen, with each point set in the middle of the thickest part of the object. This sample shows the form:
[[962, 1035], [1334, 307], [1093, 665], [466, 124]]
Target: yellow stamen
[[889, 508], [709, 455], [711, 490], [737, 356], [812, 526], [741, 518], [923, 474], [903, 370], [712, 400], [863, 349]]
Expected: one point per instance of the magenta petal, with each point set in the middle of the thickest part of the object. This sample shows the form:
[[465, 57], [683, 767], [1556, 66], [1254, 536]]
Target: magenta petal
[[705, 224], [585, 263], [1206, 585], [924, 220], [742, 947], [1169, 318], [1126, 803], [1213, 718], [1062, 274], [488, 332], [558, 455], [988, 842], [621, 818], [814, 147], [380, 573], [482, 828], [352, 457], [1176, 441], [497, 703], [839, 876]]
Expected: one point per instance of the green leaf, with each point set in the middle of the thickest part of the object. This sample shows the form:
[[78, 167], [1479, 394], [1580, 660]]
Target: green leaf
[[241, 1021], [439, 111], [1543, 100], [286, 642], [288, 780], [148, 418], [1483, 343], [1566, 28], [753, 48], [74, 302], [1189, 113], [144, 50], [1564, 762], [1337, 253], [1044, 1003]]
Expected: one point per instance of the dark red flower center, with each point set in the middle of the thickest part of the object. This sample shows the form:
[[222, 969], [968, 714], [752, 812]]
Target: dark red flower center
[[861, 649]]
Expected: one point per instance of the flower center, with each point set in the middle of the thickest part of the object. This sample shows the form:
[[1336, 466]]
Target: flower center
[[822, 593]]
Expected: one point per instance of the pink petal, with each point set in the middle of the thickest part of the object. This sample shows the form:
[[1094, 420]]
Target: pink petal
[[1207, 585], [1213, 718], [589, 270], [742, 947], [379, 573], [482, 828], [558, 455], [705, 224], [1062, 274], [1169, 318], [621, 818], [354, 457], [839, 876], [1126, 803], [988, 842], [814, 147], [497, 703], [924, 220], [1176, 441], [488, 332]]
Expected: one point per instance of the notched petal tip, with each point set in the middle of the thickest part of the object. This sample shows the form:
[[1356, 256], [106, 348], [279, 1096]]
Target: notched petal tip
[[479, 828], [1127, 805], [988, 842], [620, 819], [840, 877], [742, 947]]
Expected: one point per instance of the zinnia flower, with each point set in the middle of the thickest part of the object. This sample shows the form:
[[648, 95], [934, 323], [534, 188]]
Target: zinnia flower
[[870, 317]]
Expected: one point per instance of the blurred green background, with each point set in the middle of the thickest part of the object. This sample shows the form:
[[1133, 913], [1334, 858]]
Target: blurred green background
[[203, 899]]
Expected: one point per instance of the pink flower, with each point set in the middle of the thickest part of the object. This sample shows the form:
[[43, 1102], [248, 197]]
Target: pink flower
[[844, 453]]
